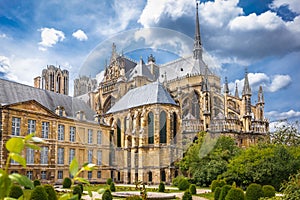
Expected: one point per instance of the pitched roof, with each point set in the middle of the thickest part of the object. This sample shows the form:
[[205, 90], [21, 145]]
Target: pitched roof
[[12, 92], [153, 93], [140, 70]]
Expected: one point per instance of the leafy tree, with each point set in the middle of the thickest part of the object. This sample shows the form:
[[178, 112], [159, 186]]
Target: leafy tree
[[265, 164], [291, 189], [208, 157], [286, 133]]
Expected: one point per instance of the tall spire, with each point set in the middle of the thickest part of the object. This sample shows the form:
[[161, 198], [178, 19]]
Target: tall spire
[[197, 43], [226, 88], [236, 94], [260, 98], [246, 89]]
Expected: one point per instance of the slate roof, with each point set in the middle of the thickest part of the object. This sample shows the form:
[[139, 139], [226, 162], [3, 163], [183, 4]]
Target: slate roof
[[12, 92], [139, 70], [153, 93], [181, 67]]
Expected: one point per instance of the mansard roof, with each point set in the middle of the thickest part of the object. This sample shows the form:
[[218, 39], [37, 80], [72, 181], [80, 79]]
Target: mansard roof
[[153, 93], [12, 92]]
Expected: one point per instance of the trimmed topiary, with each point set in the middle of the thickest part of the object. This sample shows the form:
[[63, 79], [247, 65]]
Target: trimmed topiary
[[161, 187], [39, 193], [109, 181], [36, 182], [81, 187], [235, 194], [67, 182], [187, 196], [112, 187], [254, 192], [217, 193], [224, 191], [183, 184], [268, 190], [50, 191], [217, 183], [77, 191], [107, 195], [176, 180], [193, 189], [15, 191]]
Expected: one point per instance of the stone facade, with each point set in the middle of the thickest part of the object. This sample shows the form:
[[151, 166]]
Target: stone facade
[[53, 79]]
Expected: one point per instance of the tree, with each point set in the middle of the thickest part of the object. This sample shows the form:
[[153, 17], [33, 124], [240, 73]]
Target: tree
[[208, 157], [286, 133], [265, 164]]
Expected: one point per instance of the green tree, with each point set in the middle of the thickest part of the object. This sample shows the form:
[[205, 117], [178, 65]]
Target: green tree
[[208, 157], [286, 133], [291, 189], [265, 164]]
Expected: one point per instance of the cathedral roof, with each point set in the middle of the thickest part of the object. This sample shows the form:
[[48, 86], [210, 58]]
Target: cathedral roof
[[140, 70], [12, 92], [153, 93]]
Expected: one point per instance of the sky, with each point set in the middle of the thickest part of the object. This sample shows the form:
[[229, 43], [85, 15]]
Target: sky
[[260, 36]]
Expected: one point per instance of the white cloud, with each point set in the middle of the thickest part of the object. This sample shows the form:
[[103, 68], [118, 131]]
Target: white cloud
[[50, 37], [267, 20], [3, 35], [292, 4], [80, 35], [275, 115], [270, 84], [155, 9], [279, 82], [217, 14]]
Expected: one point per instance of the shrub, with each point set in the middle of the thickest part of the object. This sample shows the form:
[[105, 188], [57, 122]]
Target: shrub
[[39, 193], [67, 182], [224, 191], [133, 198], [36, 182], [268, 190], [187, 196], [193, 189], [112, 187], [217, 183], [109, 181], [183, 184], [50, 191], [217, 193], [77, 191], [254, 192], [81, 187], [161, 187], [15, 191], [107, 195], [235, 194], [176, 180]]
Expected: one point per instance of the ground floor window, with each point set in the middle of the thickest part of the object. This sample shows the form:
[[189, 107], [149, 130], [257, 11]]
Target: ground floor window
[[29, 174], [60, 174], [43, 175], [99, 174], [150, 176], [90, 175]]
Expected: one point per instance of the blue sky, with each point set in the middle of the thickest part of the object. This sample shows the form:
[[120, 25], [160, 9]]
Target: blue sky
[[260, 35]]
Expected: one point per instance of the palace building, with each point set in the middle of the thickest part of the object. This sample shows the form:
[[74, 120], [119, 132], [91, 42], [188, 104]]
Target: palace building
[[135, 124]]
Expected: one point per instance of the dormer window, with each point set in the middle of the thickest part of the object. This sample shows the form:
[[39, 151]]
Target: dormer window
[[80, 115], [60, 111]]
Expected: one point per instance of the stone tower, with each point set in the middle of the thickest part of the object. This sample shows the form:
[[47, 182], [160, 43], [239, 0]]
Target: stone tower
[[53, 79]]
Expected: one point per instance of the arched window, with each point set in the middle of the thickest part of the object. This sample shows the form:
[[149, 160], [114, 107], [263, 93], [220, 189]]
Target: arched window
[[118, 133], [150, 176], [162, 127], [162, 175], [195, 106], [174, 126], [150, 128], [125, 126]]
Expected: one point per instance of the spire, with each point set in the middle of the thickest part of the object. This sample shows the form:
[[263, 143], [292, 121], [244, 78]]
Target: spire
[[197, 43], [236, 94], [226, 88], [260, 98], [114, 53], [246, 89]]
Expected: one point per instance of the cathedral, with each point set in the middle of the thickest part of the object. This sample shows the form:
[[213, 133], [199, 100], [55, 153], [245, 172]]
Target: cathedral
[[134, 124], [153, 111]]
